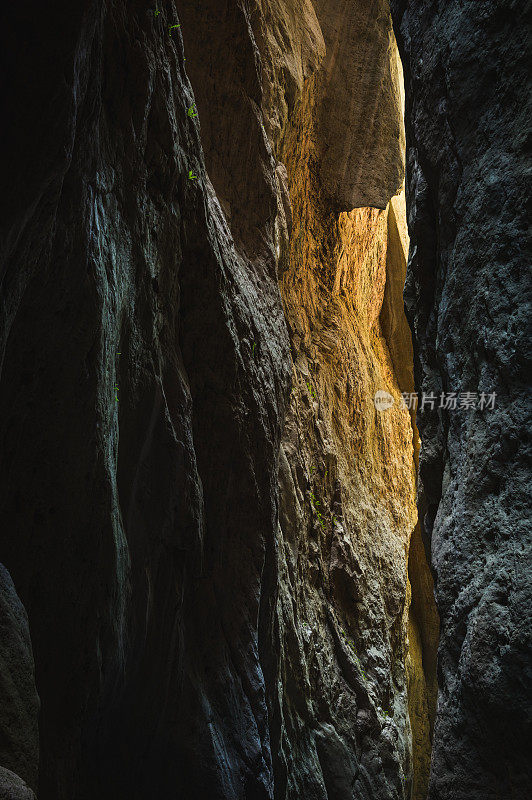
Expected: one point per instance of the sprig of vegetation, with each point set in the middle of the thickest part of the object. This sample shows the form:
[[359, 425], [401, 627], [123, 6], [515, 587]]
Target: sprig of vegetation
[[351, 644], [316, 507], [307, 630]]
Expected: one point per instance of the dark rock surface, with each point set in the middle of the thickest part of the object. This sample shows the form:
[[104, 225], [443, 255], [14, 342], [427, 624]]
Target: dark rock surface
[[468, 296], [136, 530], [12, 787], [19, 703]]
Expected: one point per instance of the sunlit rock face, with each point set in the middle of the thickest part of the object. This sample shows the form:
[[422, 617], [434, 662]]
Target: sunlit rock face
[[468, 299], [347, 510], [207, 518], [337, 635], [347, 478]]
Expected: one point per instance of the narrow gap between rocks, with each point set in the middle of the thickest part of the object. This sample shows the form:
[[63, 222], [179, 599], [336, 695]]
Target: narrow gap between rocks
[[355, 593], [355, 463]]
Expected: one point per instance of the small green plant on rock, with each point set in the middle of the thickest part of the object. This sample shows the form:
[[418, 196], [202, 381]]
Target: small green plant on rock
[[307, 630], [316, 507], [351, 644]]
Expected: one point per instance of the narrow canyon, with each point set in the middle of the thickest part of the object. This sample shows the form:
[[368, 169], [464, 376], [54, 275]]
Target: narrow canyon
[[264, 401]]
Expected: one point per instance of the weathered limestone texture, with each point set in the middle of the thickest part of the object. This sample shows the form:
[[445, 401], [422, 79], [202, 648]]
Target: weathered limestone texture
[[360, 133], [19, 704], [335, 275], [468, 294], [347, 482], [347, 474], [347, 512]]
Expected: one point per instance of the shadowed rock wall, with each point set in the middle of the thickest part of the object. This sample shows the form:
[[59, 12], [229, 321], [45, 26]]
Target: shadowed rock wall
[[139, 427], [19, 704], [468, 295]]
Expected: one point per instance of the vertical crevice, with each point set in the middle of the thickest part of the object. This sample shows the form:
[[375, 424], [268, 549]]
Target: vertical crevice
[[423, 622], [423, 619]]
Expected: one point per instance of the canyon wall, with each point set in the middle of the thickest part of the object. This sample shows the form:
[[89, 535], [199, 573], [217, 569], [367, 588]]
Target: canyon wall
[[335, 642], [145, 369], [468, 299], [217, 538]]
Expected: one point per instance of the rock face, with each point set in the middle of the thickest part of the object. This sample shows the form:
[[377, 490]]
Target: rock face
[[145, 368], [359, 132], [212, 528], [338, 630], [19, 704], [12, 787], [468, 300]]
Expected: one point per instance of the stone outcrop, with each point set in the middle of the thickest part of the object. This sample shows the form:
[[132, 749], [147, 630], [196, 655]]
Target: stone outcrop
[[145, 366], [348, 470], [467, 294], [347, 481], [359, 130], [19, 703], [146, 375], [12, 787]]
